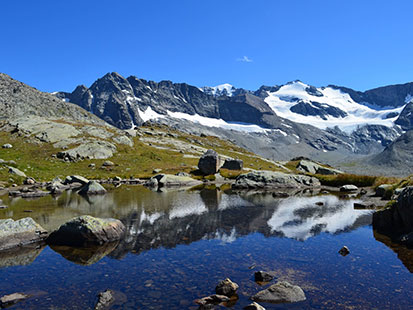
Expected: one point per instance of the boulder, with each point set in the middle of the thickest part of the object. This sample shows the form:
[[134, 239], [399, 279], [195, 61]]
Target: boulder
[[105, 300], [263, 276], [212, 300], [92, 188], [344, 251], [29, 181], [90, 150], [233, 164], [21, 232], [155, 171], [281, 292], [226, 287], [314, 168], [397, 220], [17, 172], [76, 179], [87, 230], [107, 163], [271, 179], [254, 306], [382, 189], [210, 162], [7, 146], [348, 188], [8, 300], [170, 180]]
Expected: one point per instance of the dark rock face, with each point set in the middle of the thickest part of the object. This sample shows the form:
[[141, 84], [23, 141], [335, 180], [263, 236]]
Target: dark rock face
[[263, 276], [87, 230], [210, 162], [311, 90], [281, 292], [405, 119], [387, 96], [317, 109], [233, 164], [22, 232]]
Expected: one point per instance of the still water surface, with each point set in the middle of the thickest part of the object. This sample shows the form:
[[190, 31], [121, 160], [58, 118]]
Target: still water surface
[[180, 244]]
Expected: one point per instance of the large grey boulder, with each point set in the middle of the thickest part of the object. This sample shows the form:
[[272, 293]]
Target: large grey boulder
[[271, 179], [76, 179], [170, 180], [210, 162], [397, 220], [233, 164], [90, 149], [87, 230], [314, 168], [92, 188], [21, 232], [281, 292], [17, 172]]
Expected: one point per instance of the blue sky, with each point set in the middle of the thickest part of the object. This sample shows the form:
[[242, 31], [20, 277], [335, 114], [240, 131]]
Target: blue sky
[[56, 45]]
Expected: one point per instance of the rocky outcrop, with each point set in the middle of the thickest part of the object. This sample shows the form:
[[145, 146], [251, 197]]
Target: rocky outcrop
[[281, 292], [210, 162], [89, 150], [21, 232], [270, 179], [87, 230], [170, 180], [17, 172], [315, 168]]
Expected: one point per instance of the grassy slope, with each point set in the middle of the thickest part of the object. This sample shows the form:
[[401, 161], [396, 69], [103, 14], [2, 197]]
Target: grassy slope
[[138, 161]]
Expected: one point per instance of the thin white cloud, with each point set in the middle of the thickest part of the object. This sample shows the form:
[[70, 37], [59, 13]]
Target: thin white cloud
[[244, 59]]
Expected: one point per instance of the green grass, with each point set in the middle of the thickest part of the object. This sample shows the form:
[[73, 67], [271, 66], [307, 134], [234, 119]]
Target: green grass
[[343, 179]]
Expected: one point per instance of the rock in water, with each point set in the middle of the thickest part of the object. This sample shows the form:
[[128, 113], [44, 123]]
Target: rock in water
[[271, 179], [344, 251], [92, 188], [17, 172], [210, 162], [233, 164], [212, 300], [8, 300], [279, 293], [170, 180], [87, 230], [21, 232], [106, 299], [254, 306], [226, 287], [263, 276]]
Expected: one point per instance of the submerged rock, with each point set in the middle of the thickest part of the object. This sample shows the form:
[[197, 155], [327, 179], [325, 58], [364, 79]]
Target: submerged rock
[[271, 179], [87, 230], [210, 162], [21, 232], [254, 306], [105, 300], [226, 287], [8, 300], [212, 300], [281, 292], [92, 188]]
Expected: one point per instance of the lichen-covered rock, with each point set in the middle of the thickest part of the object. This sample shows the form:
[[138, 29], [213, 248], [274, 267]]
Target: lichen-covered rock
[[271, 179], [210, 162], [226, 287], [20, 232], [87, 230], [281, 292], [92, 188]]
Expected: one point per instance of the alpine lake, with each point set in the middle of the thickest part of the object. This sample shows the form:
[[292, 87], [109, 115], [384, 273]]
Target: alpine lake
[[179, 244]]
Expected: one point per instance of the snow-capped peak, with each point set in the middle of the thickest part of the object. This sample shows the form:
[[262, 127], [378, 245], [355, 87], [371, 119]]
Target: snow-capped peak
[[219, 90]]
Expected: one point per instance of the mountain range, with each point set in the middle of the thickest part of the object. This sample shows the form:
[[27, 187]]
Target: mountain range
[[333, 124]]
